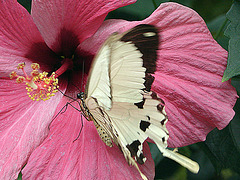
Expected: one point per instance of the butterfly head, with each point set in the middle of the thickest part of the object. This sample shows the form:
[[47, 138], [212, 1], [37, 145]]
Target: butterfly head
[[80, 95]]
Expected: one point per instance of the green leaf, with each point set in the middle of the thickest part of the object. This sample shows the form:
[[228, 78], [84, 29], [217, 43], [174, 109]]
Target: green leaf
[[19, 176], [216, 27], [223, 147], [209, 10], [233, 32], [156, 154], [206, 170], [26, 4], [137, 11], [235, 126], [235, 81]]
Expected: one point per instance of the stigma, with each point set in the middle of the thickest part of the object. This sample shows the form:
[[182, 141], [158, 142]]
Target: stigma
[[40, 86]]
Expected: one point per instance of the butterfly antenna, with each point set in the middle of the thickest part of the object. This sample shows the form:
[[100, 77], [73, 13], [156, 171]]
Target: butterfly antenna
[[80, 90], [82, 76]]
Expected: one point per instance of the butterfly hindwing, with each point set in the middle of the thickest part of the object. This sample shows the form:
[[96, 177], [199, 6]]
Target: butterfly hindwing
[[133, 127], [129, 126]]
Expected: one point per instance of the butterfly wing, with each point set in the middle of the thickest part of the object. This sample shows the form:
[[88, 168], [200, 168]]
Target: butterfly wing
[[134, 113], [98, 84]]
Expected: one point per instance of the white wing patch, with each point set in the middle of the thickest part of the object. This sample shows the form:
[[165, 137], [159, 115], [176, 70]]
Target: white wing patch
[[122, 63], [98, 85], [126, 72], [149, 34]]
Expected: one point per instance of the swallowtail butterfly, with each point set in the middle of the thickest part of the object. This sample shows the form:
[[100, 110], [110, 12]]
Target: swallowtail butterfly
[[119, 100]]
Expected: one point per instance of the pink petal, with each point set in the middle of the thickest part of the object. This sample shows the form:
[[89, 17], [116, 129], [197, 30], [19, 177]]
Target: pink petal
[[189, 72], [66, 23], [23, 125], [189, 76], [60, 157], [20, 39]]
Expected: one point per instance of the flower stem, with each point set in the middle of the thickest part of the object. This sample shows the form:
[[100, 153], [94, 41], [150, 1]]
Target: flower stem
[[220, 29], [154, 4]]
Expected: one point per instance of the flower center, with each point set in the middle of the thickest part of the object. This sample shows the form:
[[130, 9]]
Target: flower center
[[40, 86]]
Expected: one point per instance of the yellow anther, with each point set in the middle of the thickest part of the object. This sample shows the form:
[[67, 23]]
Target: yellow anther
[[47, 81], [20, 79], [35, 66], [35, 73], [20, 66], [39, 85], [12, 74]]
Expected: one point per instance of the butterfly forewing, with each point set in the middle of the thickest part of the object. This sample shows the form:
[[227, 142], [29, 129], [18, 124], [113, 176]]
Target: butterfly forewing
[[98, 84], [145, 38], [119, 96]]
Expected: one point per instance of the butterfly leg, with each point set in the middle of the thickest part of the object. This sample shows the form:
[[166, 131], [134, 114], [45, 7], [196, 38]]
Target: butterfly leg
[[63, 109], [80, 130]]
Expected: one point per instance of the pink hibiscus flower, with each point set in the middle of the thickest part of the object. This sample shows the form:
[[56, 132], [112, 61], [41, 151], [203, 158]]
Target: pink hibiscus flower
[[188, 79]]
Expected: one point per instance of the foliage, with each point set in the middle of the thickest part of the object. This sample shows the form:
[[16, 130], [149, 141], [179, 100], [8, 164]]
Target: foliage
[[233, 32]]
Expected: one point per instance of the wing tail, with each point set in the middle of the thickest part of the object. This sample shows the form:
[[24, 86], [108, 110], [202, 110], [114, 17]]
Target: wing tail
[[184, 161]]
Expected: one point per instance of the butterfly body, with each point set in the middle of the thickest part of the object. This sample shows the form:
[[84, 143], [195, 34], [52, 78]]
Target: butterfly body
[[101, 121], [119, 100]]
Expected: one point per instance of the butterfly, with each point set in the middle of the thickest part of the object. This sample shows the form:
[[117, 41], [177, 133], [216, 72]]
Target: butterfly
[[119, 100]]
